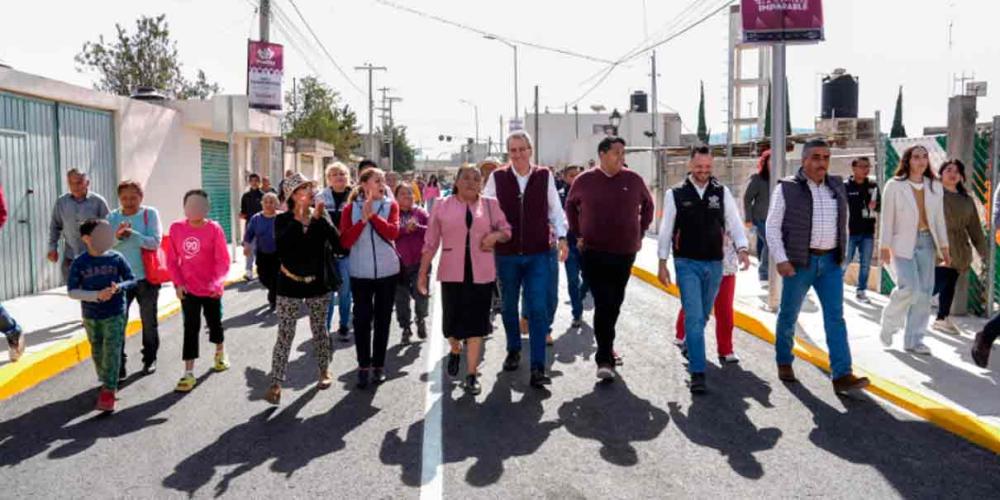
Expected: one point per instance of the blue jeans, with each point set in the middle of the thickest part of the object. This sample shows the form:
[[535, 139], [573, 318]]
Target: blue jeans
[[827, 278], [553, 288], [863, 244], [699, 282], [762, 254], [574, 269], [341, 298], [911, 299], [8, 326], [531, 272]]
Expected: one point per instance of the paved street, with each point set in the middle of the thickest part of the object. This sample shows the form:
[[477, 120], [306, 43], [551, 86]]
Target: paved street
[[641, 437]]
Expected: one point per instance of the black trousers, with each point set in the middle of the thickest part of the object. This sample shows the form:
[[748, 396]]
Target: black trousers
[[267, 270], [608, 275], [373, 301], [992, 330], [147, 294], [945, 280], [193, 307]]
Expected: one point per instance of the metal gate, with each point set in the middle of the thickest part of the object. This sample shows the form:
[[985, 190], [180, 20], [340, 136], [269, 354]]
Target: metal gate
[[39, 141], [215, 180]]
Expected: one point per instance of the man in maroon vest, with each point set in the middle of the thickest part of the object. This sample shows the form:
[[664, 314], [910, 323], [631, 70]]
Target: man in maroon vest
[[529, 199]]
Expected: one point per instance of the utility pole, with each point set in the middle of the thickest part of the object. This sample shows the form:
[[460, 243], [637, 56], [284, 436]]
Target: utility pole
[[537, 135], [778, 119], [652, 138], [576, 120], [371, 106], [388, 124], [265, 20]]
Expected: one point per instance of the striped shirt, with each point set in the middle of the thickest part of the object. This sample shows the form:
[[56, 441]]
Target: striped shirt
[[824, 221]]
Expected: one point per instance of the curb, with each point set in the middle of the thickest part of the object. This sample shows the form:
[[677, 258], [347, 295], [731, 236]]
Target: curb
[[961, 423], [35, 368]]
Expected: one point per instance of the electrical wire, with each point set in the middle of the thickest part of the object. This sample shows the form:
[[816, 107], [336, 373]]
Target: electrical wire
[[325, 51], [485, 33]]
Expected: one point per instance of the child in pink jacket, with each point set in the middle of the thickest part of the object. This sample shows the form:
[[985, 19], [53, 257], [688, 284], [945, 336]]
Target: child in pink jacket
[[199, 263]]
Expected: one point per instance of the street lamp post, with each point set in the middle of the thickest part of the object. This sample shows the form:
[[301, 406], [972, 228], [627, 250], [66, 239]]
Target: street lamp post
[[616, 120], [475, 108], [517, 112]]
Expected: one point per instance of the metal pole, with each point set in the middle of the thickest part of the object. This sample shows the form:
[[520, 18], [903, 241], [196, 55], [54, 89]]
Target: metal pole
[[991, 257], [234, 173], [517, 104], [371, 107], [777, 150], [879, 177], [536, 125], [576, 119], [657, 180], [265, 20]]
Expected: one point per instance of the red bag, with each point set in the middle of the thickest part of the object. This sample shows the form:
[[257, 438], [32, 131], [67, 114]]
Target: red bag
[[155, 261]]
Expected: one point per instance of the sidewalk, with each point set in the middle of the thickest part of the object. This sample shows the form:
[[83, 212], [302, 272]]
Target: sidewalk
[[55, 336], [948, 377]]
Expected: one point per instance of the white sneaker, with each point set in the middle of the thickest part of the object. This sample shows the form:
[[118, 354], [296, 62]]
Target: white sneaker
[[946, 326], [605, 373], [862, 297], [678, 342], [886, 336], [764, 284], [920, 349], [729, 359]]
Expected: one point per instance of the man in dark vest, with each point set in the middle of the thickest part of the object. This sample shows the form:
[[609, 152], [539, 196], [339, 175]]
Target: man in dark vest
[[529, 199], [807, 237], [696, 214]]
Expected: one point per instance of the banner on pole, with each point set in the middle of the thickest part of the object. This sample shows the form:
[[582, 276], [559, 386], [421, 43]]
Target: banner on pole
[[265, 63], [788, 21]]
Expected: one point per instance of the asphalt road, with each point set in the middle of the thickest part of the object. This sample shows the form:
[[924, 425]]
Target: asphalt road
[[643, 436]]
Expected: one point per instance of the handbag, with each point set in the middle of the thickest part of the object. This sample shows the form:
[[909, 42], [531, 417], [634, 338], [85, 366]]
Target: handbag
[[154, 261]]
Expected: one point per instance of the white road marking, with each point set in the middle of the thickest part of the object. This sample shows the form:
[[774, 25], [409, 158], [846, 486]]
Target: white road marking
[[431, 468]]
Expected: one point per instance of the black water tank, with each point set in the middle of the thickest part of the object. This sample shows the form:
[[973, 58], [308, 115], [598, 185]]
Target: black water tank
[[840, 95], [639, 102]]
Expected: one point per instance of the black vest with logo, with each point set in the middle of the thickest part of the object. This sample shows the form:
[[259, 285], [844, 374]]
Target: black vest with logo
[[700, 221]]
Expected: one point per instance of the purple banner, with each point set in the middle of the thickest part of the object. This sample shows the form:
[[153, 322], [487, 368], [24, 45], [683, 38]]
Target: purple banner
[[782, 21]]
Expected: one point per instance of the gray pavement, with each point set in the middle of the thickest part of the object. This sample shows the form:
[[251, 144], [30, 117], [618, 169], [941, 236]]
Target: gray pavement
[[643, 436]]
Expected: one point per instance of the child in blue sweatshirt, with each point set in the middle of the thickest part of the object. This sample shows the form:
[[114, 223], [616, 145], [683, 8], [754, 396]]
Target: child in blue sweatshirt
[[99, 279]]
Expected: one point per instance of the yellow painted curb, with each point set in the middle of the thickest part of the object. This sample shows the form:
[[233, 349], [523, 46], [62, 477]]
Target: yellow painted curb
[[958, 422], [35, 368]]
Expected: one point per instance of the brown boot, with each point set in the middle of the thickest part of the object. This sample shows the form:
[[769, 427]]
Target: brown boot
[[273, 394], [849, 383], [786, 373], [325, 380], [980, 351]]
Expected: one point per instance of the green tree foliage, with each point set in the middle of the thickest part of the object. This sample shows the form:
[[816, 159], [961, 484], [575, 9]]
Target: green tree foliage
[[703, 134], [147, 57], [314, 112], [404, 156], [788, 113], [898, 130]]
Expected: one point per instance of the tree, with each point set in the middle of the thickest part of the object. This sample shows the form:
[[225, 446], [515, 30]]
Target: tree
[[702, 128], [898, 130], [788, 113], [403, 155], [146, 58], [316, 113]]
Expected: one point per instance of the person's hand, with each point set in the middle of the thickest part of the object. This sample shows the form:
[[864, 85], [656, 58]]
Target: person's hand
[[885, 255], [664, 274], [785, 269], [411, 225], [114, 288], [246, 250], [367, 209], [215, 295], [319, 210], [748, 225], [563, 250], [180, 292], [744, 257], [53, 256], [946, 257], [871, 205], [490, 241], [422, 284], [124, 230], [106, 294], [579, 244]]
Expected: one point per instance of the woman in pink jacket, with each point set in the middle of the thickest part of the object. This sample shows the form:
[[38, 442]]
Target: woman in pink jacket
[[466, 226]]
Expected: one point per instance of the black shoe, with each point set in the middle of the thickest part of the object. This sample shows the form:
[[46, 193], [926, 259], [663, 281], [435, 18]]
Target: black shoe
[[344, 333], [122, 372], [453, 360], [539, 379], [149, 367], [362, 379], [618, 358], [472, 385], [577, 322], [981, 351], [407, 334], [698, 383], [512, 362], [378, 376], [421, 330]]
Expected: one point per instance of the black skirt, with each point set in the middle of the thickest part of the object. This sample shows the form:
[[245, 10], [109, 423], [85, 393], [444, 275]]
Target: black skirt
[[465, 309]]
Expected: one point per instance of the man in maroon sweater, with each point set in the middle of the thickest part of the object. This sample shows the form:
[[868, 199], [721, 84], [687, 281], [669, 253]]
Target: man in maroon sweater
[[609, 208]]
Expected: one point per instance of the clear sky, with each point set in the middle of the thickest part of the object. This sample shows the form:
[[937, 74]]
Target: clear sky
[[887, 43]]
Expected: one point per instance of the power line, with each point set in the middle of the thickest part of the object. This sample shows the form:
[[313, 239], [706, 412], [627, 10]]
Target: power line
[[479, 31], [325, 51]]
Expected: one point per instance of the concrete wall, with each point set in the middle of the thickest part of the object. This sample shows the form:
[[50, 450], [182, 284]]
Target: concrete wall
[[558, 142]]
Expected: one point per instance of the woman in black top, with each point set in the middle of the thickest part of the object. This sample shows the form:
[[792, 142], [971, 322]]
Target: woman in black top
[[338, 190], [301, 235]]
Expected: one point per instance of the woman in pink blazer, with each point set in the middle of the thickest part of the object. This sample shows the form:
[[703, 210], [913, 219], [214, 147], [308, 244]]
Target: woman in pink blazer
[[466, 226]]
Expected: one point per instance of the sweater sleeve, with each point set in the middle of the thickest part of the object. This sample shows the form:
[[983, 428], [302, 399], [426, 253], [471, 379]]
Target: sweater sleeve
[[128, 280], [388, 228], [748, 197], [432, 238], [173, 257], [251, 233], [647, 209], [975, 230], [221, 254], [888, 216], [573, 208], [349, 232], [3, 209], [150, 241]]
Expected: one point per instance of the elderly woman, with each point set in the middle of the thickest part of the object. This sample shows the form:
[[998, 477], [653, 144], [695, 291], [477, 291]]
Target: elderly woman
[[137, 228], [468, 226], [259, 239], [338, 190], [301, 234]]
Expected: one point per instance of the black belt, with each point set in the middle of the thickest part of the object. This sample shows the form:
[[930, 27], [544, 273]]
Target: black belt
[[816, 251]]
